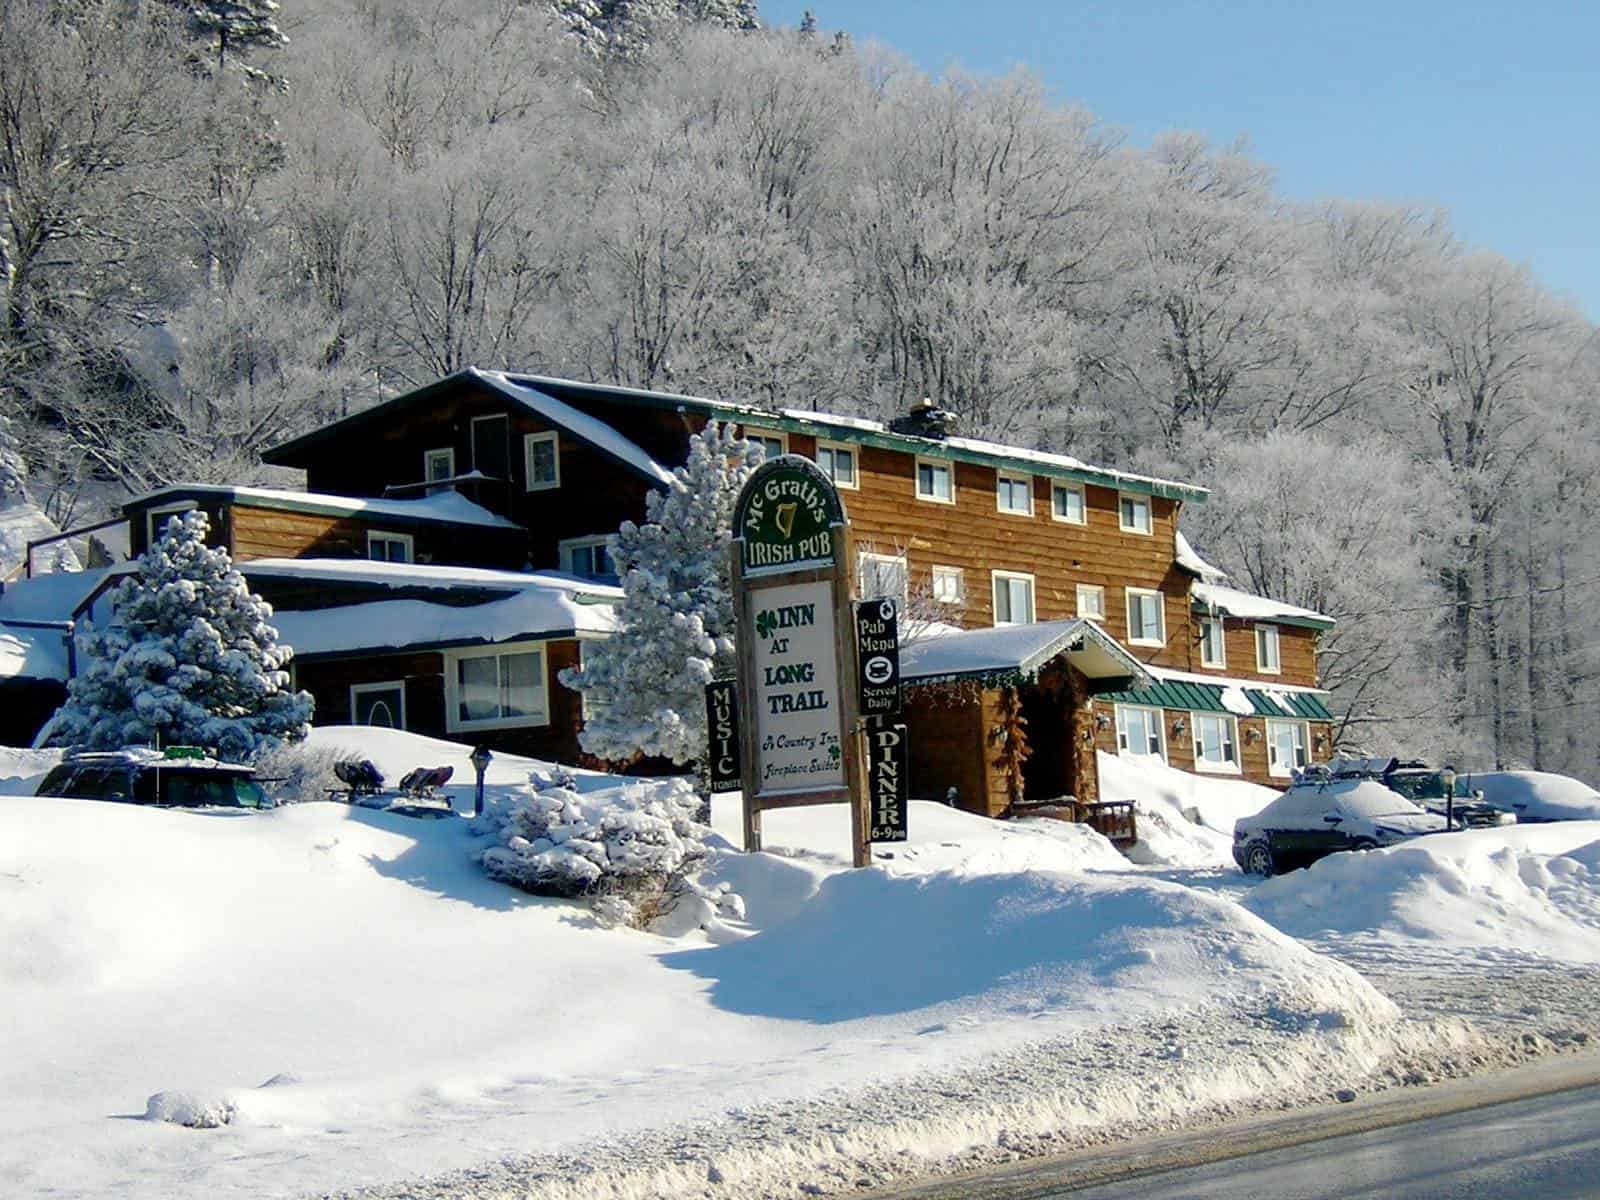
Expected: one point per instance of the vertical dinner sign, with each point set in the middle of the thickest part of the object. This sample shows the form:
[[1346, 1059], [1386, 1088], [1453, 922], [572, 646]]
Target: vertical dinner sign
[[791, 589]]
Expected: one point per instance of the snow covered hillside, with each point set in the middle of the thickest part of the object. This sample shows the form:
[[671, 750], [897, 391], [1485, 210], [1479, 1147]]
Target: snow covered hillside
[[365, 1004]]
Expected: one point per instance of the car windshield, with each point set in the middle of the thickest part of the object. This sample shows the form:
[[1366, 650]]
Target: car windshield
[[194, 788], [1424, 785]]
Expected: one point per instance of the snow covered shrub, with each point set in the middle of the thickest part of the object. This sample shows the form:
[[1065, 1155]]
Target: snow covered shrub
[[197, 1110], [629, 850], [295, 772], [188, 658]]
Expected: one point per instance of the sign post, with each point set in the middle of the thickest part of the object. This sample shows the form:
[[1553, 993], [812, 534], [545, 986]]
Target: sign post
[[797, 648]]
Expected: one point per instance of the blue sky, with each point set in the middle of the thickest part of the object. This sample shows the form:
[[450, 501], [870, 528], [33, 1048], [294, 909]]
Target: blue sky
[[1488, 110]]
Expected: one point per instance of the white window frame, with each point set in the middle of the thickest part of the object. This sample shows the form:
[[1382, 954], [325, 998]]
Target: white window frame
[[938, 464], [565, 548], [428, 456], [1075, 489], [1302, 747], [1230, 739], [1090, 589], [1149, 527], [1159, 719], [452, 688], [1161, 615], [948, 575], [529, 441], [892, 560], [995, 578], [1267, 635], [837, 448], [1221, 659], [1013, 477], [383, 535], [768, 435], [153, 515], [387, 685]]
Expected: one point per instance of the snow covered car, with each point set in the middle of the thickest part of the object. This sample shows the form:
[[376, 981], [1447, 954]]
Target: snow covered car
[[1421, 784], [1535, 796], [1314, 819], [179, 777]]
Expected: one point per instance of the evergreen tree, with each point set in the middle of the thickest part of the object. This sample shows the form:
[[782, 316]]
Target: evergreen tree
[[645, 685], [233, 27], [188, 658]]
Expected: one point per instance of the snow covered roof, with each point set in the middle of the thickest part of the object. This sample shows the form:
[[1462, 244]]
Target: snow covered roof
[[1220, 693], [54, 596], [1011, 652], [580, 424], [544, 609], [447, 506], [388, 574], [30, 653], [1194, 564], [1167, 674], [1234, 603]]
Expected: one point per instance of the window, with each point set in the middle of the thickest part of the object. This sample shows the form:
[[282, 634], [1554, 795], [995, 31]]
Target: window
[[1092, 601], [1014, 493], [838, 463], [588, 557], [389, 547], [949, 585], [541, 458], [1267, 649], [438, 465], [380, 704], [491, 446], [1147, 621], [883, 575], [1067, 503], [1216, 742], [498, 688], [1286, 747], [1013, 598], [773, 444], [1135, 513], [935, 481], [1213, 649], [1139, 731], [158, 517]]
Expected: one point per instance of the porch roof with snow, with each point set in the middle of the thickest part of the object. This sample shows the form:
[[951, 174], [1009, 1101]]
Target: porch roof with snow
[[1009, 654], [1219, 693], [1213, 597]]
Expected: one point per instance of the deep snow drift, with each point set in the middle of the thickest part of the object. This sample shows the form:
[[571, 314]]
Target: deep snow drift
[[362, 1003], [1167, 798]]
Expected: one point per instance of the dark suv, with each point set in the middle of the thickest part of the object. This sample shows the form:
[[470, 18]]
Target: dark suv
[[179, 777]]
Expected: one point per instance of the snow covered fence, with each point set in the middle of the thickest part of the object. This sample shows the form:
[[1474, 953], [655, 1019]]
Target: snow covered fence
[[633, 851]]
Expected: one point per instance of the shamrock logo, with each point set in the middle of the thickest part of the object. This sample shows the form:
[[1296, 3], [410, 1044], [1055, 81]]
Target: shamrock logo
[[766, 622]]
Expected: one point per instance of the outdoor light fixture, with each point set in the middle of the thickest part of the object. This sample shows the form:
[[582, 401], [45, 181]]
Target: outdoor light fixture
[[1102, 721], [1179, 725], [1448, 778], [1252, 735], [481, 758]]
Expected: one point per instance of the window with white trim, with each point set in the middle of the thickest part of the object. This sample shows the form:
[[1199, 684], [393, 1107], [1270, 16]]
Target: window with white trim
[[1092, 601], [1014, 493], [389, 547], [1013, 598], [1216, 742], [588, 557], [772, 444], [936, 481], [1286, 747], [1267, 658], [1133, 513], [838, 463], [541, 459], [438, 464], [496, 687], [1147, 617], [1139, 731], [379, 704], [1213, 645], [156, 518], [949, 585], [1067, 503], [883, 575]]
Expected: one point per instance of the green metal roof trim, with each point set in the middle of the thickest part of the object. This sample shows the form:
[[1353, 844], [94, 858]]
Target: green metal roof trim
[[1207, 697]]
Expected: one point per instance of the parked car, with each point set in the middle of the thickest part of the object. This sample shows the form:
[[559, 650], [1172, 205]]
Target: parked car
[[1425, 787], [1535, 796], [1316, 818], [180, 776]]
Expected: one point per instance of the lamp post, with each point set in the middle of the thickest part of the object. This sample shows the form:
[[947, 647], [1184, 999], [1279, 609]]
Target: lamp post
[[480, 763], [1448, 778]]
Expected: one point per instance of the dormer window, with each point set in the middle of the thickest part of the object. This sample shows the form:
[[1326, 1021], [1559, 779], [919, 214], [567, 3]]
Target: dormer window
[[1213, 648], [588, 557], [542, 457], [438, 465], [1267, 658], [389, 547]]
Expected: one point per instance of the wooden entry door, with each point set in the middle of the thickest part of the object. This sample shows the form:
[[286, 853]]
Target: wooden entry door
[[1050, 770]]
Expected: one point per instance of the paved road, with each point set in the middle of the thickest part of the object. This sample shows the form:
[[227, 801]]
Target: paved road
[[1547, 1147]]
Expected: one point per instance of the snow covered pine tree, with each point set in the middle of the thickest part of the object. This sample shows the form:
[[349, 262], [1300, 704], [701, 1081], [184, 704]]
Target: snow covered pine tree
[[645, 685], [188, 658]]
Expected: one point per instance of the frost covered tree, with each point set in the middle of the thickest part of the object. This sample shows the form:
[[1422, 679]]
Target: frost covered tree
[[233, 26], [645, 684], [189, 657]]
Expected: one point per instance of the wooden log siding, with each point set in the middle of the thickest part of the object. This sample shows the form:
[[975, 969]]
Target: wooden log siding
[[1252, 752], [948, 748]]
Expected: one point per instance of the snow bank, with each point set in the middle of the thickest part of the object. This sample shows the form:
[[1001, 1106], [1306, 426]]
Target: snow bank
[[21, 771], [394, 752], [1164, 795], [1526, 889], [1537, 795]]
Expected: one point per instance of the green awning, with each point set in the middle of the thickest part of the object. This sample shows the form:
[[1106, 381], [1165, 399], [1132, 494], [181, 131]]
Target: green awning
[[1207, 697]]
